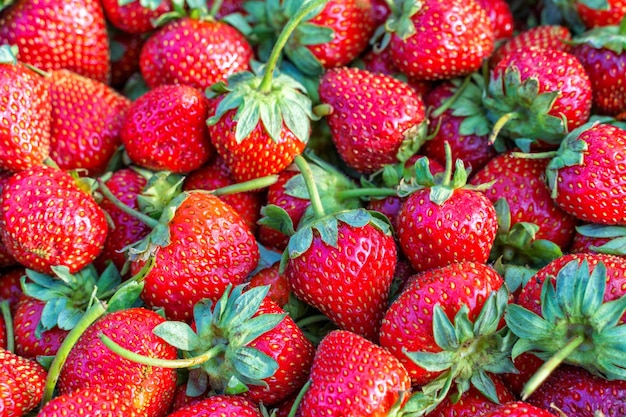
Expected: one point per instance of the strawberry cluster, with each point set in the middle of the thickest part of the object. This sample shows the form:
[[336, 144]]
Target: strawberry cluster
[[313, 208]]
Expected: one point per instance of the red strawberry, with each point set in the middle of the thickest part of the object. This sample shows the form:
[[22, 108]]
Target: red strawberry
[[353, 376], [501, 17], [165, 129], [48, 220], [21, 384], [518, 409], [278, 283], [603, 54], [25, 144], [135, 17], [78, 42], [542, 37], [594, 17], [427, 46], [219, 406], [197, 53], [374, 117], [148, 390], [90, 401], [87, 117], [30, 339], [600, 238]]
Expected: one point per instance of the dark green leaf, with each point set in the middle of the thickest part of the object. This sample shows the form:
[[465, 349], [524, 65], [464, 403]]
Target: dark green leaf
[[311, 34], [433, 362], [525, 324], [277, 218], [328, 229], [248, 117], [257, 326], [126, 296], [443, 330], [245, 305], [178, 334], [484, 384]]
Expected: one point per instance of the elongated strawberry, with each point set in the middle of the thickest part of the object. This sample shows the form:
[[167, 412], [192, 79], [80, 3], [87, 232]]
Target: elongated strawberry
[[78, 42], [90, 401], [21, 384], [219, 406], [136, 16], [26, 143], [48, 220], [148, 390], [353, 376], [373, 117]]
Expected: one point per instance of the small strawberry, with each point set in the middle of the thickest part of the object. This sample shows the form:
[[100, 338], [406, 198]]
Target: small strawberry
[[21, 384], [439, 39], [542, 37], [25, 144], [148, 390], [135, 16], [601, 16], [47, 220], [92, 401], [78, 42], [373, 118], [353, 376], [518, 409], [219, 406], [278, 283]]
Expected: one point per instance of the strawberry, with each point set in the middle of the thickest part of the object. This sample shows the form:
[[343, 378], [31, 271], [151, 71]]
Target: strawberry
[[576, 392], [501, 17], [425, 45], [278, 283], [30, 338], [600, 238], [125, 51], [21, 384], [373, 117], [135, 17], [48, 220], [25, 144], [197, 53], [148, 390], [219, 406], [10, 287], [165, 129], [602, 53], [443, 220], [542, 37], [78, 42], [333, 36], [600, 16], [538, 94], [90, 401], [87, 117], [518, 409], [353, 376]]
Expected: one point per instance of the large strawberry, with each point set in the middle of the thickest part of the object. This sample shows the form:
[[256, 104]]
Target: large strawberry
[[91, 401], [149, 390], [26, 143], [165, 129], [78, 41], [426, 45], [47, 220], [373, 118], [21, 384]]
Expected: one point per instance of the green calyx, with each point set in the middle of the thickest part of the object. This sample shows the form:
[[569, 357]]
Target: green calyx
[[470, 351], [148, 4], [612, 38], [576, 326], [399, 22], [160, 189], [217, 352], [520, 112], [616, 244], [5, 3], [195, 9], [8, 54]]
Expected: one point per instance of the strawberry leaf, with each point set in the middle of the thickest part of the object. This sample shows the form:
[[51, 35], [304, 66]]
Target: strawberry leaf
[[126, 297], [178, 334]]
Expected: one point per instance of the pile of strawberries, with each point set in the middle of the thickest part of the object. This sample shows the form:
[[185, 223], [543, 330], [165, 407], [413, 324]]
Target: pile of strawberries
[[313, 208]]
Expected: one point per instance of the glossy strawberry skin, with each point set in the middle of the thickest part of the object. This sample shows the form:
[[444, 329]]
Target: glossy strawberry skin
[[21, 384], [94, 400], [592, 17], [165, 129], [25, 144], [461, 229], [439, 49], [372, 115], [25, 321], [542, 37], [353, 376], [78, 42], [349, 283], [212, 245], [149, 390], [87, 117], [522, 182], [518, 409], [408, 323], [219, 406], [279, 285], [195, 53], [133, 17], [501, 18], [47, 220]]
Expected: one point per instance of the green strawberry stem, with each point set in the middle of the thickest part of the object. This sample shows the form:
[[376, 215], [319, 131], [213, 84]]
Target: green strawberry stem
[[622, 27], [309, 180], [92, 314], [307, 321], [447, 173], [535, 155], [298, 400], [292, 24], [499, 124], [149, 221], [138, 277], [217, 4], [550, 365], [451, 100], [162, 363], [242, 187], [8, 325]]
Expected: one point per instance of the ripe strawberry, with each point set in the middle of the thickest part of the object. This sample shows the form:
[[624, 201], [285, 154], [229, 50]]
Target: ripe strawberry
[[374, 117], [219, 406], [278, 283], [542, 37], [30, 339], [518, 409], [148, 390], [165, 129], [25, 144], [197, 53], [87, 117], [501, 18], [92, 401], [576, 392], [443, 220], [599, 238], [538, 94], [353, 376], [21, 384], [425, 45], [135, 17], [78, 42], [585, 178], [593, 17], [602, 53], [48, 220]]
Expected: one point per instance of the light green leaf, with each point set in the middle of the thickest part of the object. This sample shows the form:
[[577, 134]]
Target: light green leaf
[[178, 334]]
